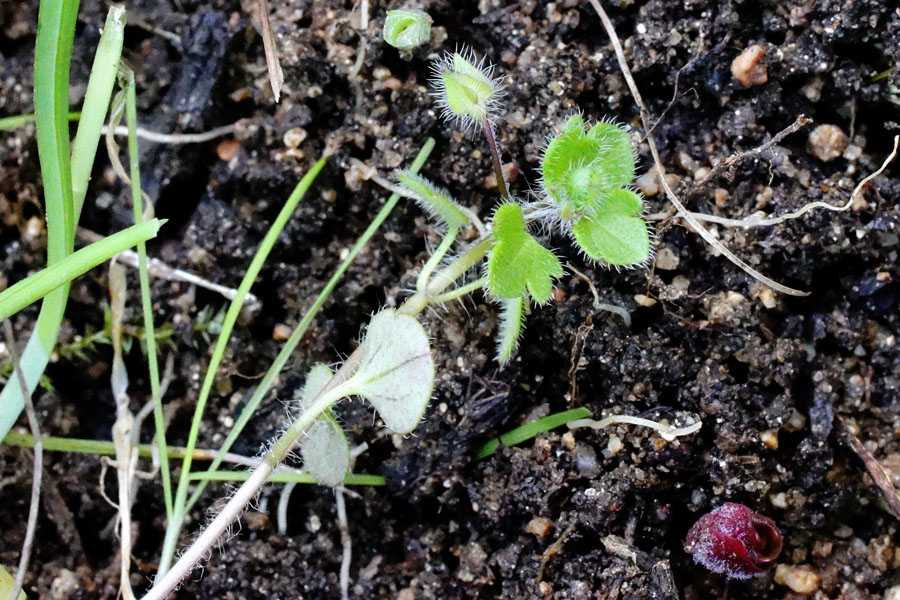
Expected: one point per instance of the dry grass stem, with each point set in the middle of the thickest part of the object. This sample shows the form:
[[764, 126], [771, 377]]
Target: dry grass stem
[[682, 211], [37, 472]]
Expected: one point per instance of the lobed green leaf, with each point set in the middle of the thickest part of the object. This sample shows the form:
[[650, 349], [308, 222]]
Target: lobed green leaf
[[615, 233], [517, 262]]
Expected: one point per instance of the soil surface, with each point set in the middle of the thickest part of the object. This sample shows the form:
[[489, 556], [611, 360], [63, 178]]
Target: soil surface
[[780, 383]]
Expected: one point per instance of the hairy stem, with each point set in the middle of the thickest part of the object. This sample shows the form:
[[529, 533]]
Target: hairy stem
[[435, 259], [459, 292], [196, 552], [495, 156]]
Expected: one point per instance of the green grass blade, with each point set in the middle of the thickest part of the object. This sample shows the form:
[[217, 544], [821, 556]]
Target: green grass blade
[[96, 104], [35, 287], [52, 56], [146, 303], [16, 121], [529, 430], [290, 345], [234, 310]]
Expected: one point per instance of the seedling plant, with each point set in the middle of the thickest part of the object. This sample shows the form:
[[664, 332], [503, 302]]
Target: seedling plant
[[585, 174], [584, 194]]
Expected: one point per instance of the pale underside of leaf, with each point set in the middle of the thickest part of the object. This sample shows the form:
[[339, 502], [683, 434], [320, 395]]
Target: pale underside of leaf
[[326, 451], [396, 373]]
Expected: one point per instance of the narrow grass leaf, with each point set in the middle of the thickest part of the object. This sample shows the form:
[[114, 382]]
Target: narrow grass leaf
[[296, 336], [35, 287]]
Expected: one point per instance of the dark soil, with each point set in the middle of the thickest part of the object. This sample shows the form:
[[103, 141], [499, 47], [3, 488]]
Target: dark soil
[[770, 376]]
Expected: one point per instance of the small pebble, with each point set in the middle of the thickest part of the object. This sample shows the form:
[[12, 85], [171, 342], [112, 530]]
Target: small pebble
[[892, 593], [294, 136], [539, 526], [614, 445], [648, 183], [281, 332], [746, 68], [720, 196], [644, 300], [769, 437], [666, 259], [827, 142], [767, 297], [800, 578], [227, 149]]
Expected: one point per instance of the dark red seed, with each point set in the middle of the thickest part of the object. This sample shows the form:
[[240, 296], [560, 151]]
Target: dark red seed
[[734, 540]]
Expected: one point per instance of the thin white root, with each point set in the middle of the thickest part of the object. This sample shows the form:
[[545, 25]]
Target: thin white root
[[283, 500], [161, 270], [682, 211], [174, 139], [37, 472], [666, 432], [613, 308], [757, 221], [346, 543]]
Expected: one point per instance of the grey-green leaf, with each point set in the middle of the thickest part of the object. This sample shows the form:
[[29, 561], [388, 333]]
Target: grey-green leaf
[[317, 378], [326, 451], [396, 373]]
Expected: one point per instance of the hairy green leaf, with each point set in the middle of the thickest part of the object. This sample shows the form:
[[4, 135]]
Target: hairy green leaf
[[582, 166], [433, 200], [615, 233], [518, 263], [512, 321]]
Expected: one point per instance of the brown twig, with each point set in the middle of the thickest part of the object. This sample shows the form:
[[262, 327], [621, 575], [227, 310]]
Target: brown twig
[[495, 158], [276, 75], [730, 162], [38, 465], [654, 151], [875, 470]]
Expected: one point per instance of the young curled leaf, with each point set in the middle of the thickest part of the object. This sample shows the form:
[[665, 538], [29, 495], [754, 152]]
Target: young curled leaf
[[518, 263], [465, 90], [396, 373], [433, 200], [582, 165], [407, 29]]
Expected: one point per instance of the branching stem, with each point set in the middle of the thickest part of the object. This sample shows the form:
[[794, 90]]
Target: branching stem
[[459, 292]]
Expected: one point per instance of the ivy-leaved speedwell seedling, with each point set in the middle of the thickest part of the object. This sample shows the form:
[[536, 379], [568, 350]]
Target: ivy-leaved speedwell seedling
[[585, 172]]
